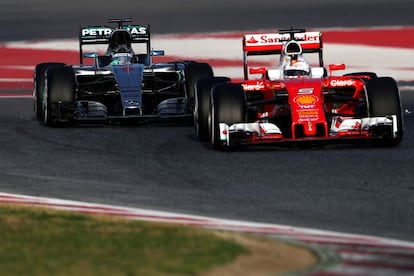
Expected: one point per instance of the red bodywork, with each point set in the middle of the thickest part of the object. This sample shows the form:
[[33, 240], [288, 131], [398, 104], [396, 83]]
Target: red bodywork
[[307, 99], [295, 102], [306, 102]]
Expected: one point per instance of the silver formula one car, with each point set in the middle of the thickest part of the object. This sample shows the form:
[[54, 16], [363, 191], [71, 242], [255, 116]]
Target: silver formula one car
[[121, 84]]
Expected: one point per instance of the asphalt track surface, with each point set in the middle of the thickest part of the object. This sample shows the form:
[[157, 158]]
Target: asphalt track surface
[[348, 189], [40, 19]]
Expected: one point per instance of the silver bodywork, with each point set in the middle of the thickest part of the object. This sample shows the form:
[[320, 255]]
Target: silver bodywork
[[121, 83]]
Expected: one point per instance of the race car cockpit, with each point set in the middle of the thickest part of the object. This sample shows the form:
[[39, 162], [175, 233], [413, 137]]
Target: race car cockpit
[[292, 62], [121, 59], [119, 40]]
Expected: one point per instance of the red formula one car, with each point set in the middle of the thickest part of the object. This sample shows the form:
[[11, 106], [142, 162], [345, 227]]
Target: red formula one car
[[296, 102]]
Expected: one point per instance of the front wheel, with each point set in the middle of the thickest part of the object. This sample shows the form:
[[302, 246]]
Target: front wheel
[[384, 100], [228, 105], [39, 86], [202, 106], [59, 91]]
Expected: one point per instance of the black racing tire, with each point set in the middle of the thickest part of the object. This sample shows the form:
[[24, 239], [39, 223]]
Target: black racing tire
[[228, 105], [194, 71], [384, 100], [38, 87], [59, 88], [202, 106]]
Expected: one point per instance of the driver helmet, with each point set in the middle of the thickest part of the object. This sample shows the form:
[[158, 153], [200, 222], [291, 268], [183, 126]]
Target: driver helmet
[[121, 59], [296, 68]]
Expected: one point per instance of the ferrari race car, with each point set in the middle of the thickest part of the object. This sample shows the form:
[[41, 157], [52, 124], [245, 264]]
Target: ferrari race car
[[295, 102], [122, 83]]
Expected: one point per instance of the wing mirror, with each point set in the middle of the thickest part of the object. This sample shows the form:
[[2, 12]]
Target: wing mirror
[[156, 53], [255, 71], [333, 67], [90, 55], [336, 67]]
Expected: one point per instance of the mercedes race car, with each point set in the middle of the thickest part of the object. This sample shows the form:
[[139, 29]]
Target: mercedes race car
[[294, 102], [121, 84]]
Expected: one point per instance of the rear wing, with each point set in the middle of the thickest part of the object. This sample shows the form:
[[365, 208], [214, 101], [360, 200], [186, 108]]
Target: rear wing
[[101, 35], [272, 44]]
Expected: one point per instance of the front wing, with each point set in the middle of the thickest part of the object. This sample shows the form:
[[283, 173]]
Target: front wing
[[260, 132], [93, 111]]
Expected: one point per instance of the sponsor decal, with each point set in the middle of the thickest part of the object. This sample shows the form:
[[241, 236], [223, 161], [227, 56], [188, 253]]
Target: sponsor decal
[[253, 86], [136, 30], [252, 40], [131, 103], [279, 38], [305, 100], [308, 115], [336, 83], [269, 39], [305, 90], [276, 86], [338, 122], [357, 125], [96, 32], [103, 31]]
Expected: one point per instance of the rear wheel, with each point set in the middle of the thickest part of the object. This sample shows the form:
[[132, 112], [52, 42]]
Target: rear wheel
[[59, 91], [384, 100], [202, 106], [228, 105], [38, 88], [194, 71]]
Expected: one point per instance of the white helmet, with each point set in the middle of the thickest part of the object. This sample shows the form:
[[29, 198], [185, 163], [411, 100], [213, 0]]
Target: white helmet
[[296, 68], [121, 59]]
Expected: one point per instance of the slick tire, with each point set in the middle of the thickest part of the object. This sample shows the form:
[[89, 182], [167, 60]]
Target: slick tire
[[202, 106], [194, 71], [228, 105], [38, 87], [384, 100], [59, 89]]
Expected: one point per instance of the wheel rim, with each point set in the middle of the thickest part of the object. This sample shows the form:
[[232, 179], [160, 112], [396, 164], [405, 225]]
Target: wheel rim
[[211, 125], [35, 102], [45, 106], [195, 115], [34, 94]]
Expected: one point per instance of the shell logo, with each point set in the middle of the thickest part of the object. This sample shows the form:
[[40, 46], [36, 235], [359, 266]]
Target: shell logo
[[305, 99]]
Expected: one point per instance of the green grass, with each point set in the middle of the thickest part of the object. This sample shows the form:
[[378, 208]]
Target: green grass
[[38, 241]]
